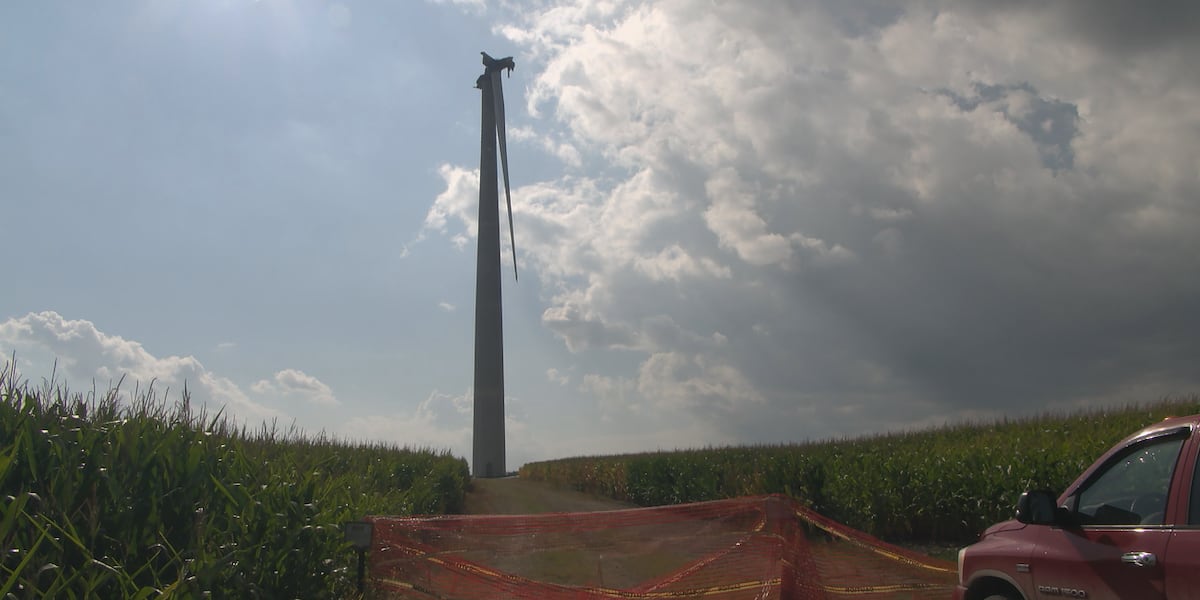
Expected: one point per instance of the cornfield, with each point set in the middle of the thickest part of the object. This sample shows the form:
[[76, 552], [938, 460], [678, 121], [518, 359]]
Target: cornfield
[[939, 486], [105, 497]]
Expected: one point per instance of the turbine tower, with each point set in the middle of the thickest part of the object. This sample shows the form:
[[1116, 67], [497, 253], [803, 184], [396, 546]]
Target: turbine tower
[[487, 454]]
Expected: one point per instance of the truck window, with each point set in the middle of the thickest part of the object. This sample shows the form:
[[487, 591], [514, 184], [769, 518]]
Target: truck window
[[1194, 505], [1132, 488]]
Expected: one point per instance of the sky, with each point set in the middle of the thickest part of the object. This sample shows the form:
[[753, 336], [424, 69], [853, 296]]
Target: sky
[[736, 222]]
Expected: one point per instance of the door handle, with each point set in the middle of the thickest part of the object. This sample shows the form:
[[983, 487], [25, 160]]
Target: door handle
[[1139, 559]]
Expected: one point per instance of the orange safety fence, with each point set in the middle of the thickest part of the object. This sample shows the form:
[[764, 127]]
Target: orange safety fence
[[759, 547]]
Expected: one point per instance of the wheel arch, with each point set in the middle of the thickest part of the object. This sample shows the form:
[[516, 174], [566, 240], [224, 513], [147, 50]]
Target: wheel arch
[[989, 583]]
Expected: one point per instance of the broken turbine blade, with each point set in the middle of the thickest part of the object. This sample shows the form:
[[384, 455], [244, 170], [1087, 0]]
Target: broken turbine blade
[[498, 98]]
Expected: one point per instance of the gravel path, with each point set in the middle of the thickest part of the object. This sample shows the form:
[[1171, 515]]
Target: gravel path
[[516, 496]]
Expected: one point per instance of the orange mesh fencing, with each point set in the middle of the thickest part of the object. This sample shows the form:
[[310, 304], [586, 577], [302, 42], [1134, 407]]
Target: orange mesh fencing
[[760, 547]]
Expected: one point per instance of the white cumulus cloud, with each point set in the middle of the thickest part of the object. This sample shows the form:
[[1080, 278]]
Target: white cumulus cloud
[[296, 384], [85, 354]]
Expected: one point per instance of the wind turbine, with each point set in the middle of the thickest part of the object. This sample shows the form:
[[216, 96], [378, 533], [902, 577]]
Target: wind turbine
[[487, 455]]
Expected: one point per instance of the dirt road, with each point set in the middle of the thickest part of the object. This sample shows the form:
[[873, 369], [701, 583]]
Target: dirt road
[[596, 558], [516, 496], [632, 553]]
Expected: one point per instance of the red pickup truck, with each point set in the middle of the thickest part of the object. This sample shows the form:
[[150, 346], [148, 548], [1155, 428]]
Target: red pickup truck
[[1128, 528]]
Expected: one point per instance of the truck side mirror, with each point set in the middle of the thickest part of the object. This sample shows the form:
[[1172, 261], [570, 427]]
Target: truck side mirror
[[1037, 507]]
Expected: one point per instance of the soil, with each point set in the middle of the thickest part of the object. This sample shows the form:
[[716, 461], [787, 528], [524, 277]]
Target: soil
[[516, 496], [566, 558]]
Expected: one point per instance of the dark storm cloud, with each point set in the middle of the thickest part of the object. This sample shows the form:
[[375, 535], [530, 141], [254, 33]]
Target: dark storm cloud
[[1113, 25], [863, 18], [978, 316]]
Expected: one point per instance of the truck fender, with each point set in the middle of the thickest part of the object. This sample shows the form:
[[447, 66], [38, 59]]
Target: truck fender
[[988, 581]]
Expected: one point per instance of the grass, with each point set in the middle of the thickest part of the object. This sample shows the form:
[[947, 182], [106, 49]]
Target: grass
[[104, 496]]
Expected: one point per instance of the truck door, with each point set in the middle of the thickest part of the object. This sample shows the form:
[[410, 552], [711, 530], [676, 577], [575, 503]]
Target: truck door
[[1116, 549], [1183, 551]]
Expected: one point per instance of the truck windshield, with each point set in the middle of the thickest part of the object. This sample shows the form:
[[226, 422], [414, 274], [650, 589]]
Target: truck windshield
[[1132, 488]]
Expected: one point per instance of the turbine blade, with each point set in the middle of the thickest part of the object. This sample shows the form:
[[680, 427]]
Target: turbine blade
[[498, 98]]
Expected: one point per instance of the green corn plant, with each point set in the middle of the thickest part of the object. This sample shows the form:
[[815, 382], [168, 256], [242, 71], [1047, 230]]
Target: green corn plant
[[130, 496], [942, 485]]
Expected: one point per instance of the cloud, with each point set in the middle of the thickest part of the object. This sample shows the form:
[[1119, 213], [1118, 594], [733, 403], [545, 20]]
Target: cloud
[[855, 218], [296, 384], [556, 376], [84, 354], [675, 264], [458, 201], [1110, 26], [440, 421], [562, 150], [443, 421], [1051, 124], [733, 217], [616, 395], [695, 382]]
